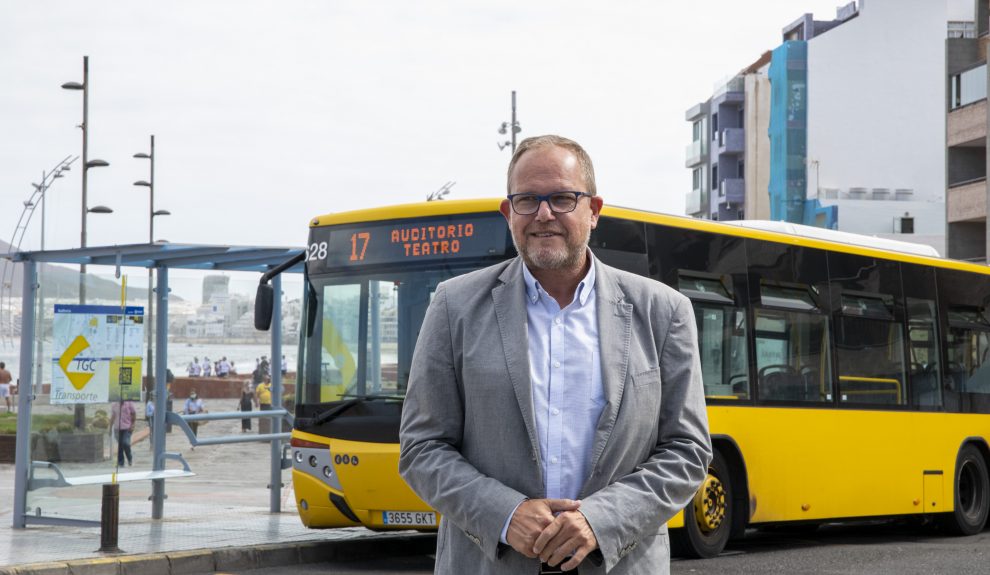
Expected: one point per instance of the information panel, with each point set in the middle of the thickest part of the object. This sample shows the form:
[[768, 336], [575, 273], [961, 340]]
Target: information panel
[[407, 241], [97, 353]]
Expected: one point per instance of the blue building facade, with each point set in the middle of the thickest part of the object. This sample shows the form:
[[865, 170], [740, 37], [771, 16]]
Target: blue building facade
[[788, 133]]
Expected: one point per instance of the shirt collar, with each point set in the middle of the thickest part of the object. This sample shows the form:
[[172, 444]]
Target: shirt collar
[[584, 290]]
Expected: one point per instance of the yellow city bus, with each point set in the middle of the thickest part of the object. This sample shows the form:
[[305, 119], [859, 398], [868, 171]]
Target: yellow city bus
[[845, 380]]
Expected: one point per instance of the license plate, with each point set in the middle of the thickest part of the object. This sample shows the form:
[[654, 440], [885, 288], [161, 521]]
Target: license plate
[[411, 518]]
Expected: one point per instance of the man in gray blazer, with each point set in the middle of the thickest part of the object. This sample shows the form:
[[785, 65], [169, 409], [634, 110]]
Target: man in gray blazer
[[555, 414]]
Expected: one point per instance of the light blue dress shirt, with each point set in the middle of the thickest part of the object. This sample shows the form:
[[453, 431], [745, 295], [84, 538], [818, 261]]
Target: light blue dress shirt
[[566, 377]]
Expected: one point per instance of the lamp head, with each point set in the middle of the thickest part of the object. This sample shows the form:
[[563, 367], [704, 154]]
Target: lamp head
[[73, 86]]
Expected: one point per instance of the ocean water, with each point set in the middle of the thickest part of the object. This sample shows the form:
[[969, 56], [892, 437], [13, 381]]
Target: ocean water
[[179, 356]]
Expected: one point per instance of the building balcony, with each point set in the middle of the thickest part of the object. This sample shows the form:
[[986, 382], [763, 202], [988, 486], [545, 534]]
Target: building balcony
[[731, 141], [732, 191], [967, 201], [692, 203], [731, 92], [696, 111], [968, 125], [695, 153]]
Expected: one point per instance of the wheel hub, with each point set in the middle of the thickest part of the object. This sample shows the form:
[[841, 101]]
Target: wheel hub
[[709, 504]]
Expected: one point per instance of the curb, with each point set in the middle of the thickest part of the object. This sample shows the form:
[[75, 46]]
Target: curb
[[233, 559]]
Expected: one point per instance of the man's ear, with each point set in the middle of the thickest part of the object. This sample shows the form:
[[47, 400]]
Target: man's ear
[[505, 208], [596, 204]]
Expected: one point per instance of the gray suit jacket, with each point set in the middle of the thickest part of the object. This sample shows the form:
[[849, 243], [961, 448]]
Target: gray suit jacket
[[468, 435]]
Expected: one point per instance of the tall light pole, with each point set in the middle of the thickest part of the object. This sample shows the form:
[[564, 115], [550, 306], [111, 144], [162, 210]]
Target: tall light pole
[[150, 316], [86, 165], [510, 128]]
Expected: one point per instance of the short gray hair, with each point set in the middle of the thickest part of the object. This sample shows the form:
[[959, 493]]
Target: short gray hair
[[550, 140]]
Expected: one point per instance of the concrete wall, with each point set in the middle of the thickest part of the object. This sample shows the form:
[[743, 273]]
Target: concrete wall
[[968, 124], [876, 101], [757, 157]]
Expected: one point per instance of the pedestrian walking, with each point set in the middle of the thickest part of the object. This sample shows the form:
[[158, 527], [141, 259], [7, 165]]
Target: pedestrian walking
[[122, 419], [193, 406], [5, 385], [247, 401], [149, 418]]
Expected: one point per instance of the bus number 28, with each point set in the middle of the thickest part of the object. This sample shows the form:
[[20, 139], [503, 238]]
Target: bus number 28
[[359, 245], [317, 251]]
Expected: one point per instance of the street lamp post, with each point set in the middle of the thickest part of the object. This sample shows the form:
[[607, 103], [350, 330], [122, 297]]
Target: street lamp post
[[80, 411], [150, 316], [86, 165], [510, 128]]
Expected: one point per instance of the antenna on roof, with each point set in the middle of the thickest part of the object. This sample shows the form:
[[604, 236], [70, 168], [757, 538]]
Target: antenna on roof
[[439, 194]]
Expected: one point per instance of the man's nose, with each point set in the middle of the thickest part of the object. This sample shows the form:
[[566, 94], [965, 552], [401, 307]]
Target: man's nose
[[544, 213]]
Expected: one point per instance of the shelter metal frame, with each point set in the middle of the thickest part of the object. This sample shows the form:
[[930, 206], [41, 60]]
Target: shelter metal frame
[[161, 257]]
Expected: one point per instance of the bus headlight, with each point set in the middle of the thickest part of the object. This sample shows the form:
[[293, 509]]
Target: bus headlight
[[312, 461], [326, 471], [299, 456]]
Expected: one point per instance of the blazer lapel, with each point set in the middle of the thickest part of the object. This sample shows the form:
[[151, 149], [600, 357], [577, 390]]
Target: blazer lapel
[[614, 333], [510, 310]]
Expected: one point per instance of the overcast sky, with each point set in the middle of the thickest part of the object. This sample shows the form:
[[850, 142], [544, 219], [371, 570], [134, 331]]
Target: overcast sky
[[269, 113]]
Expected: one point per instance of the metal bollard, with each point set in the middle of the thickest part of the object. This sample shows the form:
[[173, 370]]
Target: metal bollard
[[110, 518]]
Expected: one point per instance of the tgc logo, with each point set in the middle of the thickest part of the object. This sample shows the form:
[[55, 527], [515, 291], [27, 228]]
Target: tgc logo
[[84, 368]]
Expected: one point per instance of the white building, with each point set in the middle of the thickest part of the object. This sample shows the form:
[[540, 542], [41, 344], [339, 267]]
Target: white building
[[876, 120]]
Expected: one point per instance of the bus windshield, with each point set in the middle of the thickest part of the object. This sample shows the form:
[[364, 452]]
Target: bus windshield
[[360, 331]]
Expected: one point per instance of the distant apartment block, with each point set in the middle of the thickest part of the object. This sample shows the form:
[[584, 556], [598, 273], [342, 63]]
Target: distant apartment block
[[966, 139], [729, 147]]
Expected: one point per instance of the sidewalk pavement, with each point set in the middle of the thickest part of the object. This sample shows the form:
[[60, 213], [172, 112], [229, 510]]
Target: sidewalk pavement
[[217, 520]]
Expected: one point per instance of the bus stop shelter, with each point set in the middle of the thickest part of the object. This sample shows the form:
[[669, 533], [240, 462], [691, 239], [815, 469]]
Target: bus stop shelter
[[161, 257]]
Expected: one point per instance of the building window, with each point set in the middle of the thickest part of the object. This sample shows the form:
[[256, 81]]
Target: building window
[[714, 177], [696, 131], [715, 126], [696, 179]]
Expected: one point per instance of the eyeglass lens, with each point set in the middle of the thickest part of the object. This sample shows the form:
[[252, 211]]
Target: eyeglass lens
[[559, 202]]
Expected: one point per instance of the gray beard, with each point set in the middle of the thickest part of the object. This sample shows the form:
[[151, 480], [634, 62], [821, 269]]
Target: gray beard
[[565, 259]]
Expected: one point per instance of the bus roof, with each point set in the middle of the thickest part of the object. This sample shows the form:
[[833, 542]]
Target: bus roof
[[780, 232], [838, 237]]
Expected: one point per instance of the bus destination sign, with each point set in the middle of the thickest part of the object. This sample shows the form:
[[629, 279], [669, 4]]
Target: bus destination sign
[[421, 240]]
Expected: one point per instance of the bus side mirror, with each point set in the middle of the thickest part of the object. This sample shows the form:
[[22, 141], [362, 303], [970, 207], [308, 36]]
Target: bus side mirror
[[264, 301]]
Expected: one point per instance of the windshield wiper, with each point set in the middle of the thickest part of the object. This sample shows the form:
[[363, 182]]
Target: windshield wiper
[[340, 408]]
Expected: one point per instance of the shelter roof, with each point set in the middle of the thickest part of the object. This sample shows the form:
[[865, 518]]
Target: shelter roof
[[168, 255]]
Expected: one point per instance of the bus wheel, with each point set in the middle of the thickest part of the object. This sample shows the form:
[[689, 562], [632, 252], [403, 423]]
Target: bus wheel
[[972, 493], [708, 518]]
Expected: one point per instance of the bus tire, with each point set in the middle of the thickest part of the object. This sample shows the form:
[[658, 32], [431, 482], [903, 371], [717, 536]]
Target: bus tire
[[708, 517], [972, 493]]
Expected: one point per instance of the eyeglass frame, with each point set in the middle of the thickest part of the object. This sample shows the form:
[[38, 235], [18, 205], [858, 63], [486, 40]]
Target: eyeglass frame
[[546, 198]]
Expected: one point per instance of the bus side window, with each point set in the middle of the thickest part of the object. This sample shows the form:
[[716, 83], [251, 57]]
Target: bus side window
[[926, 376], [966, 304], [792, 361], [869, 347], [722, 346]]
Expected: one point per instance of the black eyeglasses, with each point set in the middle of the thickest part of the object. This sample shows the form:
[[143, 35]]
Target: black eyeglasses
[[559, 202]]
